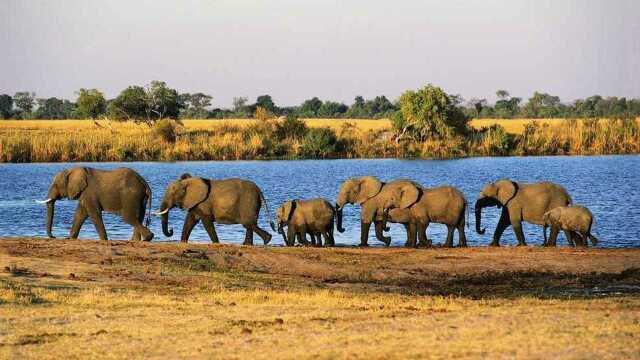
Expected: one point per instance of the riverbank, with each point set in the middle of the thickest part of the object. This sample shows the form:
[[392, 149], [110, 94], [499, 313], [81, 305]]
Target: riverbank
[[96, 141], [85, 298]]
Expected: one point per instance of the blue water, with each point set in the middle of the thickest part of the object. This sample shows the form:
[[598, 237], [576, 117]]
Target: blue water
[[608, 185]]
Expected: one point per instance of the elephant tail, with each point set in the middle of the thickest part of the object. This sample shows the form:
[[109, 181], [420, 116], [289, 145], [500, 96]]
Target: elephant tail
[[266, 209], [149, 194]]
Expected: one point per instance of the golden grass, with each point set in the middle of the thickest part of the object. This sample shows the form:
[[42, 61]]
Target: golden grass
[[236, 139], [160, 301]]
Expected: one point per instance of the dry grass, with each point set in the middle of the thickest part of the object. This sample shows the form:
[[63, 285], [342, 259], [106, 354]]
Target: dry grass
[[224, 301], [240, 139]]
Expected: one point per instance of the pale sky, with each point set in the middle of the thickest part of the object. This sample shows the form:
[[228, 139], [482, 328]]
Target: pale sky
[[295, 49]]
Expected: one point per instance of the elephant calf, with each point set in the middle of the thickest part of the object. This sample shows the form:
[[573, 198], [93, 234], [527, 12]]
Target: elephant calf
[[119, 191], [227, 201], [315, 217], [575, 221]]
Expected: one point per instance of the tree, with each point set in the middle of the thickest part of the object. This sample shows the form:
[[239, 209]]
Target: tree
[[265, 102], [542, 105], [6, 106], [130, 104], [161, 101], [380, 105], [195, 105], [332, 109], [50, 108], [310, 107], [428, 112], [24, 100], [240, 105], [90, 104], [357, 109], [502, 94]]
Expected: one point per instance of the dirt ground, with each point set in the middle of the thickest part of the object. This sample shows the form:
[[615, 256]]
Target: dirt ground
[[93, 299]]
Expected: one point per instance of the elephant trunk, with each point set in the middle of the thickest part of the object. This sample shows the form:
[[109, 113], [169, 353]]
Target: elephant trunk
[[481, 203], [165, 225], [385, 218], [544, 233], [339, 218], [50, 211]]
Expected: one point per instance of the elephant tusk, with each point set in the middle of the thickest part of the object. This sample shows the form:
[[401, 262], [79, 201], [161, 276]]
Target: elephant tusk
[[44, 201], [158, 213]]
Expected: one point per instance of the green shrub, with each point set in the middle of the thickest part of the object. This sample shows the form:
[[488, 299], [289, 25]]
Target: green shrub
[[320, 143], [167, 130], [291, 128]]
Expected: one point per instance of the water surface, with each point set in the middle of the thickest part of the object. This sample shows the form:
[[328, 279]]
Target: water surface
[[608, 185]]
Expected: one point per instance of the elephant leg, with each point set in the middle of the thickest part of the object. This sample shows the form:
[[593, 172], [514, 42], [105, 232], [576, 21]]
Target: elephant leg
[[302, 236], [96, 219], [364, 233], [328, 241], [189, 222], [78, 219], [412, 234], [292, 232], [584, 238], [313, 239], [421, 228], [553, 236], [379, 227], [211, 230], [135, 218], [517, 228], [569, 237], [265, 236], [462, 238], [503, 223], [319, 239], [449, 242], [248, 236]]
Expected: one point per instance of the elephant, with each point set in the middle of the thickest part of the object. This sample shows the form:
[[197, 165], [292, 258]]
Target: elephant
[[119, 191], [443, 204], [366, 191], [574, 220], [227, 201], [314, 216], [519, 202]]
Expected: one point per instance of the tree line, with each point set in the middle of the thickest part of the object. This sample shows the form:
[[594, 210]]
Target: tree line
[[157, 100]]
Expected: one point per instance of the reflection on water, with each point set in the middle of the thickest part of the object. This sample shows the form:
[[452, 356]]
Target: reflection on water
[[608, 185]]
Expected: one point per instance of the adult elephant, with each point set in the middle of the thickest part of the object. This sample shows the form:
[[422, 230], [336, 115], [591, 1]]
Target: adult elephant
[[119, 191], [228, 201], [367, 191], [519, 202], [443, 204]]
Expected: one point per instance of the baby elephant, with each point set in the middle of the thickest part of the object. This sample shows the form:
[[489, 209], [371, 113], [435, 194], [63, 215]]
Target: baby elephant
[[313, 216], [576, 222]]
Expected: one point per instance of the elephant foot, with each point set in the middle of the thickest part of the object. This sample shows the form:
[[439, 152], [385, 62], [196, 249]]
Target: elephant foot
[[425, 244], [495, 244], [267, 239], [521, 244], [447, 245], [148, 238], [363, 245], [464, 245], [386, 240]]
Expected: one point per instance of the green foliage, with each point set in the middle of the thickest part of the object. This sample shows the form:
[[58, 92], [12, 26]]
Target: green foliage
[[428, 113], [130, 104], [90, 104], [24, 101], [54, 108], [331, 109], [291, 128], [265, 102], [309, 108], [6, 106], [194, 105], [320, 143]]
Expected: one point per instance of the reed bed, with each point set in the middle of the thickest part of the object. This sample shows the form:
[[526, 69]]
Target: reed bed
[[241, 139]]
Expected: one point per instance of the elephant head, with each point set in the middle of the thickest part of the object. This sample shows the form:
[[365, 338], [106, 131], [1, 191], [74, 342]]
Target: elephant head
[[185, 193], [355, 191], [283, 216], [495, 194], [69, 184], [400, 194]]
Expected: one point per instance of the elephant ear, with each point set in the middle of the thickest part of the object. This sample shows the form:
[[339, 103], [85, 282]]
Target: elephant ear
[[287, 210], [369, 187], [76, 182], [507, 189], [409, 194], [196, 191]]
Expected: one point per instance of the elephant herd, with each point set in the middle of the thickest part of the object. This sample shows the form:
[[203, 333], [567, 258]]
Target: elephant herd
[[124, 192]]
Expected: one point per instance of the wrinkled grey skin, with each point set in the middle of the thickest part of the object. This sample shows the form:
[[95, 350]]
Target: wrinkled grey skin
[[519, 202], [574, 220], [366, 191], [443, 205], [119, 191], [314, 217], [229, 201]]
